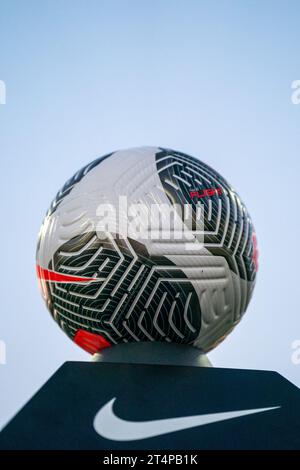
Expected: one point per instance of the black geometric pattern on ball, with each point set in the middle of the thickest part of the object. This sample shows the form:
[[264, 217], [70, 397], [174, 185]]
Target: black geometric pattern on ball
[[75, 179], [228, 228], [136, 297]]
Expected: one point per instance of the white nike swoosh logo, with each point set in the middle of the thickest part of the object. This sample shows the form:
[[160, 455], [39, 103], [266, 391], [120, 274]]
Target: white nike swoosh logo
[[110, 426]]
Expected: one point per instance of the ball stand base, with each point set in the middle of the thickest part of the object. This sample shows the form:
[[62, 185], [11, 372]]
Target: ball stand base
[[154, 353], [158, 396]]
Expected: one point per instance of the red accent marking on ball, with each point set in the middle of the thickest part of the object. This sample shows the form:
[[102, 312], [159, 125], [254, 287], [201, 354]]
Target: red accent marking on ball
[[53, 276], [208, 192], [90, 342], [255, 251]]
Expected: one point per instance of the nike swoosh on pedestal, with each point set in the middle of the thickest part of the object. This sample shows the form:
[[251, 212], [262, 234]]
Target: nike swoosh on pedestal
[[110, 426]]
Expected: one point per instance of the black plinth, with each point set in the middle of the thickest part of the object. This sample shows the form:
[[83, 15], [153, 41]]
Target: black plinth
[[111, 405]]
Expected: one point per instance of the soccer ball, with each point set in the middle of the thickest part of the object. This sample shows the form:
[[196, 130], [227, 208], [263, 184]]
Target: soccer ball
[[147, 244]]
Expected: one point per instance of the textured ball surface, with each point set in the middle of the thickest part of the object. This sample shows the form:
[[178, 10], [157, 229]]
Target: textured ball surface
[[185, 277]]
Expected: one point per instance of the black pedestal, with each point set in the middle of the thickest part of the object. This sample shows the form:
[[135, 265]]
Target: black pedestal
[[117, 405]]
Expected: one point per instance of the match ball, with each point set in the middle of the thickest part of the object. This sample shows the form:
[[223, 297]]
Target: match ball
[[147, 244]]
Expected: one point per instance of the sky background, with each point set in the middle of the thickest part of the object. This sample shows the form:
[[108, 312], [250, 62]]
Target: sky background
[[210, 78]]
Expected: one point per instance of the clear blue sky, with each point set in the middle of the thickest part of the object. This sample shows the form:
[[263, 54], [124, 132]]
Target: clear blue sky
[[210, 78]]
